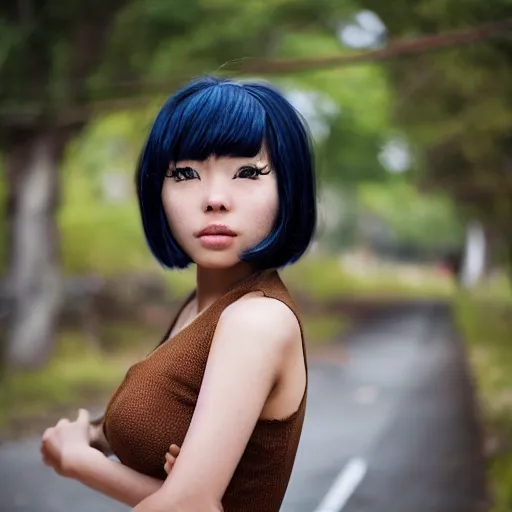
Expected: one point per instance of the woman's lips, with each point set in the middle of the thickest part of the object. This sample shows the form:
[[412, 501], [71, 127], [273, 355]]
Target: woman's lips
[[216, 236], [216, 241]]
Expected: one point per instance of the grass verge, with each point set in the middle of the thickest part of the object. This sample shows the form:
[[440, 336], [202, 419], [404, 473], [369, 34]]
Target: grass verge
[[322, 329], [325, 278], [486, 324], [76, 376]]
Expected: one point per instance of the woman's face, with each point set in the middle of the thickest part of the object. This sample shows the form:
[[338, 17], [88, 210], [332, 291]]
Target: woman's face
[[218, 208]]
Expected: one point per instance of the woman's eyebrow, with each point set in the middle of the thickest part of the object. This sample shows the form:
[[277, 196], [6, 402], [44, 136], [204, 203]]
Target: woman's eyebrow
[[261, 164], [183, 167]]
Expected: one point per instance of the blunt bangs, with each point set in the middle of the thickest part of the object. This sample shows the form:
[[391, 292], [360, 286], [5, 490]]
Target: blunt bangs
[[220, 121], [223, 118]]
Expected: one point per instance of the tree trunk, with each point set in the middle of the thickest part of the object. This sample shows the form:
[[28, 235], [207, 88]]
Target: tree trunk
[[33, 158]]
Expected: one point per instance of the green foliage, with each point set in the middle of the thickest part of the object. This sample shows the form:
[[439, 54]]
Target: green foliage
[[325, 278], [48, 49], [322, 328], [427, 222], [484, 318], [352, 103], [75, 376], [200, 36], [456, 105], [360, 89], [181, 282], [102, 235], [57, 54], [103, 240]]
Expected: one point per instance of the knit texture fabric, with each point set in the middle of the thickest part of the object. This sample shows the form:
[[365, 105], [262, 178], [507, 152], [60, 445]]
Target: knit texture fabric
[[153, 408]]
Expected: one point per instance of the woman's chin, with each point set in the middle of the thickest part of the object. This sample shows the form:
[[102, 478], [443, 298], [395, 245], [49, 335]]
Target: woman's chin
[[216, 260]]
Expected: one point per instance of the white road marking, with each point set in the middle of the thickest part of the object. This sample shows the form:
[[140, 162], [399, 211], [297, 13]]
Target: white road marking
[[344, 486]]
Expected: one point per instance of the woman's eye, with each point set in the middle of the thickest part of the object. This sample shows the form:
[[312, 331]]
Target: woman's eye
[[182, 174], [251, 172]]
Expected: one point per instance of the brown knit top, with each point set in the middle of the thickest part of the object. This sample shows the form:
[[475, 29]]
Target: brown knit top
[[153, 408]]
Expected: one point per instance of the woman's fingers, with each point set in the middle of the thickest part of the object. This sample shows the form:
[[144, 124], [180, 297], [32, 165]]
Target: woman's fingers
[[47, 433], [170, 457], [83, 416], [174, 450], [169, 462], [47, 458], [168, 467]]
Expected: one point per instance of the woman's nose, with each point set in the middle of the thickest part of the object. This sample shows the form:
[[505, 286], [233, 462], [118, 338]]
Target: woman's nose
[[217, 194], [217, 201], [216, 206]]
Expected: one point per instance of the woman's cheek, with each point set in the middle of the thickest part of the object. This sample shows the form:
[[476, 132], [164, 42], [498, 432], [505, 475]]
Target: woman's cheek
[[176, 216], [265, 217], [178, 224]]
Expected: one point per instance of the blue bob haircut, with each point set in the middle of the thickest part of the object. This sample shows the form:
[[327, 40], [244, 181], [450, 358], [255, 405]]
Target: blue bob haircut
[[220, 117]]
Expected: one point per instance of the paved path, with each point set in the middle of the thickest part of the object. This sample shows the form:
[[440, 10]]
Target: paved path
[[392, 429]]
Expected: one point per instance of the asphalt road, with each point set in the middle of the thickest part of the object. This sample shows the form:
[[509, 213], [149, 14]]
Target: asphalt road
[[391, 427]]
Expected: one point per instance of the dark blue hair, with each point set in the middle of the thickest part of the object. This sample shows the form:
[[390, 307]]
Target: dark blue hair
[[220, 117]]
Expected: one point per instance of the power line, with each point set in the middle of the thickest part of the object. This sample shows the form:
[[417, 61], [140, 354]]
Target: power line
[[266, 67], [394, 50]]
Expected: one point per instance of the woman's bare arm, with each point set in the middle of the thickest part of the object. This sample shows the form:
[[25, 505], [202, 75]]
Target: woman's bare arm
[[113, 479], [92, 468]]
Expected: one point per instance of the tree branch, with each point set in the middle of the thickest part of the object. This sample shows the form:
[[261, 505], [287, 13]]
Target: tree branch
[[393, 51], [265, 67]]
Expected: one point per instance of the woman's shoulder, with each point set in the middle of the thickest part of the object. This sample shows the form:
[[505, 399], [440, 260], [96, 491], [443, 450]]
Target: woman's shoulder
[[261, 316]]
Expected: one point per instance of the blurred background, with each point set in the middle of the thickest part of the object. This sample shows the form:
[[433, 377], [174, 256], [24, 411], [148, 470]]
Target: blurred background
[[410, 106]]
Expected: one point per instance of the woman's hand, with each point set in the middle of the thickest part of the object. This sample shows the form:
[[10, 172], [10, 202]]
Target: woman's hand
[[64, 445], [170, 457]]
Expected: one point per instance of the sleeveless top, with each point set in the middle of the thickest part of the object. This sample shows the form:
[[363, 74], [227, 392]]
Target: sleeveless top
[[154, 404]]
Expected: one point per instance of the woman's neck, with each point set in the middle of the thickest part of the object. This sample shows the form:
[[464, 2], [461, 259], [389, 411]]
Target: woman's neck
[[211, 284]]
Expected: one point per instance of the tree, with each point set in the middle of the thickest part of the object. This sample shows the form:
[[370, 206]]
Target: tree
[[457, 108], [349, 109], [62, 61], [48, 52]]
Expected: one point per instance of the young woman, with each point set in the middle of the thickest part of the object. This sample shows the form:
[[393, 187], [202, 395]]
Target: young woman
[[226, 182]]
